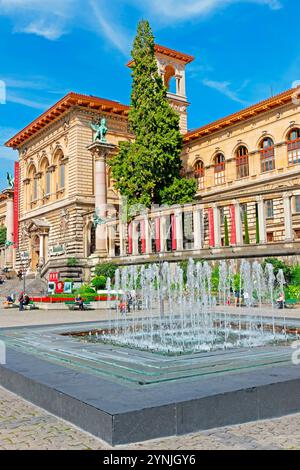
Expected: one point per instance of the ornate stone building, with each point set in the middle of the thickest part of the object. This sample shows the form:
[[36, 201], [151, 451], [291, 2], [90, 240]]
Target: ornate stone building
[[247, 168]]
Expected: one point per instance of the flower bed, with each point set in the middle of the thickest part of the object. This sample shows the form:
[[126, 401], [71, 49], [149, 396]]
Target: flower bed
[[69, 298]]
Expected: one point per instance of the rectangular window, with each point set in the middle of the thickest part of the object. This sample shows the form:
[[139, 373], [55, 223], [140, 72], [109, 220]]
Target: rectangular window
[[267, 157], [62, 176], [297, 203], [270, 237], [35, 187], [294, 152], [48, 180], [269, 209]]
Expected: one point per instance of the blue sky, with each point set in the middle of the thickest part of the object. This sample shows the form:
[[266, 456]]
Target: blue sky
[[245, 50]]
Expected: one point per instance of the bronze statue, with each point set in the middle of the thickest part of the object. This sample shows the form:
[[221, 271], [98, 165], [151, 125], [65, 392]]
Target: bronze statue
[[100, 130], [10, 180]]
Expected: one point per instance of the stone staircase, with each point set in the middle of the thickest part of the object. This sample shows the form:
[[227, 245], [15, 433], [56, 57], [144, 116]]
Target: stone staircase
[[33, 287]]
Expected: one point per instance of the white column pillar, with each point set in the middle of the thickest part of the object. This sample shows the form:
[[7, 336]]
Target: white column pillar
[[163, 233], [198, 228], [217, 226], [111, 241], [46, 248], [122, 238], [261, 219], [179, 230], [10, 229], [135, 241], [238, 223], [288, 217], [100, 202], [148, 236], [42, 254]]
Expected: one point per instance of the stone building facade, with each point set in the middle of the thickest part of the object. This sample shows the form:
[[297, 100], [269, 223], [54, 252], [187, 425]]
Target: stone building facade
[[246, 165]]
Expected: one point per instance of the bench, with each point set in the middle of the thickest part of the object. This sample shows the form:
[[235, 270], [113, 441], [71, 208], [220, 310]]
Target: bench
[[30, 306], [290, 303], [72, 305]]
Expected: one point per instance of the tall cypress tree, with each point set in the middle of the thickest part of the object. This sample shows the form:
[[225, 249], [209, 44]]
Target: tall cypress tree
[[147, 171], [246, 227], [226, 231]]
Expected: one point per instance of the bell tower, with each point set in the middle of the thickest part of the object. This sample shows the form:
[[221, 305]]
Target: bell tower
[[171, 66]]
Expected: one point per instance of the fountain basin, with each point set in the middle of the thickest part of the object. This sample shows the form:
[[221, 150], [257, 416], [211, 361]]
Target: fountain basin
[[124, 395]]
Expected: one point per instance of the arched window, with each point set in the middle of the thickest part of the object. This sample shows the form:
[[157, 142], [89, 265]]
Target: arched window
[[293, 144], [46, 177], [32, 194], [169, 79], [219, 165], [60, 172], [267, 155], [242, 162], [199, 173]]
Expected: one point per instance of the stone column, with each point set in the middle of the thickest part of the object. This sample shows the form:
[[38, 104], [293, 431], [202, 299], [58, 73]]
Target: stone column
[[288, 217], [147, 236], [10, 229], [122, 238], [198, 228], [179, 230], [135, 241], [238, 223], [101, 152], [217, 226], [261, 219], [42, 253], [111, 241], [163, 233]]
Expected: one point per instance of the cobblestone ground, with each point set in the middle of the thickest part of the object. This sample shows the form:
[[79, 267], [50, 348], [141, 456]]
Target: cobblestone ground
[[25, 426]]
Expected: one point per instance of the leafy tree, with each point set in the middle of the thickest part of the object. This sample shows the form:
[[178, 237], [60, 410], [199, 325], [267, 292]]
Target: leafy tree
[[246, 227], [147, 171], [99, 282], [3, 232], [278, 264], [295, 275], [106, 270], [226, 232]]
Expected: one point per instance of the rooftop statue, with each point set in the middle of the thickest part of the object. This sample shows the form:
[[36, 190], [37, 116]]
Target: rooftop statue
[[100, 130], [10, 180]]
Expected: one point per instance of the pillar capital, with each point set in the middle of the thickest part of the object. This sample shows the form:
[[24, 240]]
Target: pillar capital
[[101, 150]]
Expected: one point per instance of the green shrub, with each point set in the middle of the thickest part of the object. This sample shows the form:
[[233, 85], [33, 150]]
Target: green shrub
[[85, 289], [292, 292], [71, 262], [106, 270], [99, 282], [295, 275], [278, 264]]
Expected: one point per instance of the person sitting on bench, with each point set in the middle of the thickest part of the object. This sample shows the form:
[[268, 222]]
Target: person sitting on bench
[[79, 302], [280, 300]]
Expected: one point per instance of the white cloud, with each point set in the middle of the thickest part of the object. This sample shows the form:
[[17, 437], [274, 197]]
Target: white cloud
[[15, 98], [189, 9], [51, 19], [41, 28], [114, 34], [224, 89]]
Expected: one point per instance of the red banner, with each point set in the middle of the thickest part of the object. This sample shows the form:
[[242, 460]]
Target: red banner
[[53, 277], [211, 227], [157, 234], [59, 287], [233, 225], [173, 229], [130, 238], [143, 236], [16, 203]]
